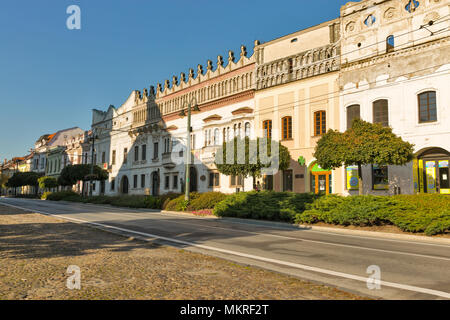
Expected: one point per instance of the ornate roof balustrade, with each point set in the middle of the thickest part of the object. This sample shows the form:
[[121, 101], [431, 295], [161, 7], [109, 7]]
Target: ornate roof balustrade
[[299, 66]]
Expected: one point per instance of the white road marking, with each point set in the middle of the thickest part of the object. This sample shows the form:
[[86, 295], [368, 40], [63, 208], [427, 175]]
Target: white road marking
[[281, 236], [250, 256]]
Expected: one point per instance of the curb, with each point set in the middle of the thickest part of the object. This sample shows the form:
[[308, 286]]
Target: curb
[[350, 232], [288, 226]]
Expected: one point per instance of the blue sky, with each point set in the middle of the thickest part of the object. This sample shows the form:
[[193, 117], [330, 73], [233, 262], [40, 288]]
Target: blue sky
[[51, 77]]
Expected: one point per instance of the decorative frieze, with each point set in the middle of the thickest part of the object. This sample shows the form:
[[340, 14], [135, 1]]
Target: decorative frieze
[[299, 66]]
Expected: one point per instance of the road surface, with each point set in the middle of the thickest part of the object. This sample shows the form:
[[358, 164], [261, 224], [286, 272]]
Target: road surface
[[407, 269]]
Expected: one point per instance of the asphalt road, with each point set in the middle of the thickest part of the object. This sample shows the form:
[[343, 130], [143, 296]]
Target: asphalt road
[[408, 269]]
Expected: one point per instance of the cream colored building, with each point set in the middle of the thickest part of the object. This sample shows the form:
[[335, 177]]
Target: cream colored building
[[297, 100]]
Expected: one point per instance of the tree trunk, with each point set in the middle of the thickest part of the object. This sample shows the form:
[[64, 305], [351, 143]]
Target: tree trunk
[[360, 180]]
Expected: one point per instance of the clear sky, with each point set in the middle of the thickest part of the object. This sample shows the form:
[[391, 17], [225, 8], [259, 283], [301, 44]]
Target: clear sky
[[52, 77]]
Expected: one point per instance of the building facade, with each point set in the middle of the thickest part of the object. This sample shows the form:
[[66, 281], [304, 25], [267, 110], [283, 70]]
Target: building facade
[[296, 102], [143, 142], [395, 70]]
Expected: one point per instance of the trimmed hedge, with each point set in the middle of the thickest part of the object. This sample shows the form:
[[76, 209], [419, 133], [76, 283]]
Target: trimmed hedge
[[429, 213], [266, 205]]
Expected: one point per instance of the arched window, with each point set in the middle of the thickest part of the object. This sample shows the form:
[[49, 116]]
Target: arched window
[[235, 132], [247, 129], [427, 107], [286, 128], [390, 44], [267, 126], [352, 114], [320, 123], [381, 112]]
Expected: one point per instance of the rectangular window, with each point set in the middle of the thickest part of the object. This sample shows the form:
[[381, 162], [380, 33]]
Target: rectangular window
[[144, 152], [352, 114], [125, 155], [155, 151], [381, 112], [167, 182], [175, 182], [286, 124], [214, 179], [136, 153], [267, 126], [135, 181], [380, 180], [103, 157], [320, 123], [427, 107], [236, 181], [113, 157], [142, 180]]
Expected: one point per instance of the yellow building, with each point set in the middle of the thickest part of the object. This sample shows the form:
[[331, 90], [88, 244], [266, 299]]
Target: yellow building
[[297, 100]]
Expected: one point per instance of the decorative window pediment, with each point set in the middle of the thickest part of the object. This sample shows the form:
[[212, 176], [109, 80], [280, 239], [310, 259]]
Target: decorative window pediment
[[214, 117], [242, 111]]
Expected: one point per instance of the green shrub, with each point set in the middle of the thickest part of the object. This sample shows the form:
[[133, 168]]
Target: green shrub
[[129, 201], [45, 195], [179, 204], [267, 205], [412, 213], [61, 195], [206, 201]]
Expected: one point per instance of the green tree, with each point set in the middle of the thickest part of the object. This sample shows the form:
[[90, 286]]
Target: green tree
[[363, 144], [253, 161], [71, 174], [47, 182], [3, 180]]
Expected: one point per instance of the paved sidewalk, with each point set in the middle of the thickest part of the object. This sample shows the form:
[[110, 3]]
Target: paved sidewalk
[[35, 251]]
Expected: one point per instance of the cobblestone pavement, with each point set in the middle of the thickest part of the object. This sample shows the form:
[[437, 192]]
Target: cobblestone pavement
[[35, 251]]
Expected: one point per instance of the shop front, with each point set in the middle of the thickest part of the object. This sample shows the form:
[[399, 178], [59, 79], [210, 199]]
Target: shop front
[[321, 180], [432, 171]]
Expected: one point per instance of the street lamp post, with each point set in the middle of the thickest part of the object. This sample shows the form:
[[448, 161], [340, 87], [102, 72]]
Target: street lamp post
[[92, 162], [188, 140]]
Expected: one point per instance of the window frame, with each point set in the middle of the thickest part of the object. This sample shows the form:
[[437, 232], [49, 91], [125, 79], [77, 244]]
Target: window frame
[[267, 128], [286, 128], [322, 122], [387, 111], [428, 106], [349, 125]]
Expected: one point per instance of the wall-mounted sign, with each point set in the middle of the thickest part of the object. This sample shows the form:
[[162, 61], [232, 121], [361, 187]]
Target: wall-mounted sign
[[352, 178], [431, 176], [301, 160]]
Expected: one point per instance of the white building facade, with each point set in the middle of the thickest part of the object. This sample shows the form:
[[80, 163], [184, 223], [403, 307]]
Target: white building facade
[[395, 70], [143, 142]]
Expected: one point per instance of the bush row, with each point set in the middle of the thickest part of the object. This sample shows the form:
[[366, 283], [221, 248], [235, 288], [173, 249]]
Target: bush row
[[266, 205], [171, 201], [412, 213]]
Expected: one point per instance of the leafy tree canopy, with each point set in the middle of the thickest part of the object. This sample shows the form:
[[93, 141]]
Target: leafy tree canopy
[[252, 161], [47, 182], [71, 174], [364, 143], [20, 179]]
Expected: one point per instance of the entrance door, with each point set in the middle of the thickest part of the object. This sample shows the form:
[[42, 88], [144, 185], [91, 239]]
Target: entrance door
[[102, 187], [193, 179], [320, 180], [155, 184], [125, 185], [287, 181]]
